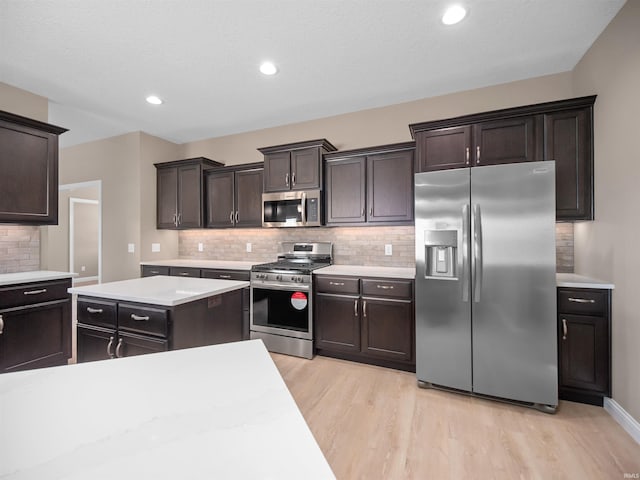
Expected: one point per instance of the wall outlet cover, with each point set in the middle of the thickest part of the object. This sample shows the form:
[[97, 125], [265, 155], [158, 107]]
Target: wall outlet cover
[[131, 247], [248, 247], [200, 247], [155, 247], [388, 249]]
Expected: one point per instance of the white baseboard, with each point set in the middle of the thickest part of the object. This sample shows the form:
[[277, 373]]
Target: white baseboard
[[621, 416]]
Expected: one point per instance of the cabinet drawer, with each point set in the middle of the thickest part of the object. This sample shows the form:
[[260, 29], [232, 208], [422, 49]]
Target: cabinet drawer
[[151, 270], [387, 288], [184, 272], [337, 285], [31, 293], [583, 301], [148, 320], [227, 274], [97, 312]]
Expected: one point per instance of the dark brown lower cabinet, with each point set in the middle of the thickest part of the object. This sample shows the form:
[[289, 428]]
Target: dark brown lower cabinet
[[369, 320], [35, 325], [584, 345]]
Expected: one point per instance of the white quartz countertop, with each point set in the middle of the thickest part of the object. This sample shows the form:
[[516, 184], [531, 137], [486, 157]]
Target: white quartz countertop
[[367, 271], [217, 412], [31, 277], [195, 263], [160, 290], [579, 281]]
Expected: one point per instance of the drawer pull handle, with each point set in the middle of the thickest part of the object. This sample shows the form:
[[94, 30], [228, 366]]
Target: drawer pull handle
[[119, 349], [1, 324], [36, 292], [581, 300], [225, 276], [338, 284], [385, 287], [109, 345], [155, 272], [184, 274], [139, 318], [94, 310], [565, 329]]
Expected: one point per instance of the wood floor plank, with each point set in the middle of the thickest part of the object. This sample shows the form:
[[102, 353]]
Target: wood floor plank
[[375, 423]]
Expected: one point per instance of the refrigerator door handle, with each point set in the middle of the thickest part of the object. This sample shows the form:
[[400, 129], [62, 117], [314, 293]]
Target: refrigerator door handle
[[477, 252], [465, 253]]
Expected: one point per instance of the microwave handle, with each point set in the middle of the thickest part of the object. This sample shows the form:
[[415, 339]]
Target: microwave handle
[[304, 208]]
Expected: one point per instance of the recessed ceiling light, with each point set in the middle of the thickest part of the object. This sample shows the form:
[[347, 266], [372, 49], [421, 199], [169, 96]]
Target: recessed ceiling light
[[153, 100], [268, 68], [453, 15]]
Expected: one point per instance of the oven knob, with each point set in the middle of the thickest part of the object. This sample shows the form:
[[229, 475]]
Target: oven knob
[[278, 277]]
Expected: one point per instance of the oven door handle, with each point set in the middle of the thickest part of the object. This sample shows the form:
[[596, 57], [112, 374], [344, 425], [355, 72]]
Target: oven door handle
[[281, 286]]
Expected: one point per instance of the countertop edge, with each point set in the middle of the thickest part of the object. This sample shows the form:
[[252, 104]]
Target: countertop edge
[[18, 278]]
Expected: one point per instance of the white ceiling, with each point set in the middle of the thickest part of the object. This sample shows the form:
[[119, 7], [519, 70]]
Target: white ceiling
[[97, 60]]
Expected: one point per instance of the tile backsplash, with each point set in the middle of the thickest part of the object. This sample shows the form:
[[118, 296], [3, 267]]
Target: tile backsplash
[[351, 245], [19, 248]]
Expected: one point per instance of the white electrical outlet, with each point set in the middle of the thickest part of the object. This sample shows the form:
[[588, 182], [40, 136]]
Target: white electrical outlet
[[248, 247], [131, 247], [155, 247], [200, 247], [83, 268], [388, 249]]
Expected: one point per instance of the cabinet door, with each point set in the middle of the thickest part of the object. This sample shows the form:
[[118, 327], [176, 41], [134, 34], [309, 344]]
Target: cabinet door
[[443, 148], [130, 345], [390, 187], [568, 142], [29, 179], [512, 140], [95, 343], [305, 169], [387, 328], [337, 323], [167, 197], [248, 198], [277, 172], [220, 208], [35, 336], [345, 182], [190, 196], [584, 352]]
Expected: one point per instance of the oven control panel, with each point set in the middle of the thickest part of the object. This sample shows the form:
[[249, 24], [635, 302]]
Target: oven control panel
[[275, 277]]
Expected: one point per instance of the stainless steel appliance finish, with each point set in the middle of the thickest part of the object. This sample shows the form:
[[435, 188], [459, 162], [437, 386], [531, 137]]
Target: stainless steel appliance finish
[[281, 311], [485, 281], [292, 209]]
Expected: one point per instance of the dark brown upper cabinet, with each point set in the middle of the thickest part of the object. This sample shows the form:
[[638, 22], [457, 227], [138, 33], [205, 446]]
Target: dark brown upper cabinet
[[234, 197], [180, 191], [560, 131], [370, 185], [294, 166], [29, 166]]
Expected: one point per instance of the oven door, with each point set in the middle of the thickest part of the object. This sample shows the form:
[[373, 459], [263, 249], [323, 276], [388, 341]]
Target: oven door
[[282, 310]]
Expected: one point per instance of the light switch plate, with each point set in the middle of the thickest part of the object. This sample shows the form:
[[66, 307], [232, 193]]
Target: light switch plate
[[248, 247], [388, 249], [155, 247], [200, 247], [131, 247]]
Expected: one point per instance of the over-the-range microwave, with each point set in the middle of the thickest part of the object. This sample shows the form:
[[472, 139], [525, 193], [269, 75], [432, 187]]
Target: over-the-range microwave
[[292, 209]]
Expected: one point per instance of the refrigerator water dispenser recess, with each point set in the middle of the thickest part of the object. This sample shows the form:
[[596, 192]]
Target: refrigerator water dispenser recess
[[441, 247]]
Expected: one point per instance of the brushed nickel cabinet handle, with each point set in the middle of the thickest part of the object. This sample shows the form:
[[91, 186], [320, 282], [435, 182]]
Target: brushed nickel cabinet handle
[[364, 308], [565, 329], [339, 284], [478, 154], [467, 155], [184, 274], [236, 216], [225, 276], [286, 179], [293, 179], [355, 307], [94, 310], [581, 300], [119, 349], [175, 219], [371, 211], [139, 318], [231, 217], [1, 325], [35, 292], [385, 287], [179, 218], [109, 345], [154, 272]]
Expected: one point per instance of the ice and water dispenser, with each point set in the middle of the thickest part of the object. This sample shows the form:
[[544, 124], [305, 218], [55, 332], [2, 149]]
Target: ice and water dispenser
[[441, 248]]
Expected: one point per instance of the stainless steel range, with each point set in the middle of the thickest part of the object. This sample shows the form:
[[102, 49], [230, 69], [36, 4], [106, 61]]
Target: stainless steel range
[[281, 297]]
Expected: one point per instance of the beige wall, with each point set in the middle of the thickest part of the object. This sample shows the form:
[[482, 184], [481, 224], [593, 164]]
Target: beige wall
[[21, 102], [607, 247], [85, 238]]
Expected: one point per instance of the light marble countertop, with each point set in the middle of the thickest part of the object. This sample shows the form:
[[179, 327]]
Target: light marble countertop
[[367, 271], [160, 290], [216, 412], [31, 277], [195, 263], [580, 281]]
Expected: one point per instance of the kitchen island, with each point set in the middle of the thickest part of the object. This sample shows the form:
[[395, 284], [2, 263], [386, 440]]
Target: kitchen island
[[221, 411], [154, 314]]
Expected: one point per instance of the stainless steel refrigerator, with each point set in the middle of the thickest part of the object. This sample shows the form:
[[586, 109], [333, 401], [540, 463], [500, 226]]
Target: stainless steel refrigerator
[[485, 281]]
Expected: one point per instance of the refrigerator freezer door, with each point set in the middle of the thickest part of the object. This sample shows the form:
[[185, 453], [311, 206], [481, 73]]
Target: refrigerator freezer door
[[514, 293], [443, 321]]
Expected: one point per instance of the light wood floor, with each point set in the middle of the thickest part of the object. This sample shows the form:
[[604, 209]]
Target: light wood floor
[[375, 423]]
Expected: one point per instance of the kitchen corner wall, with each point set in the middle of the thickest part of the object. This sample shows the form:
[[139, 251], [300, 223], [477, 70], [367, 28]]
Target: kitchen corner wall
[[351, 245]]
